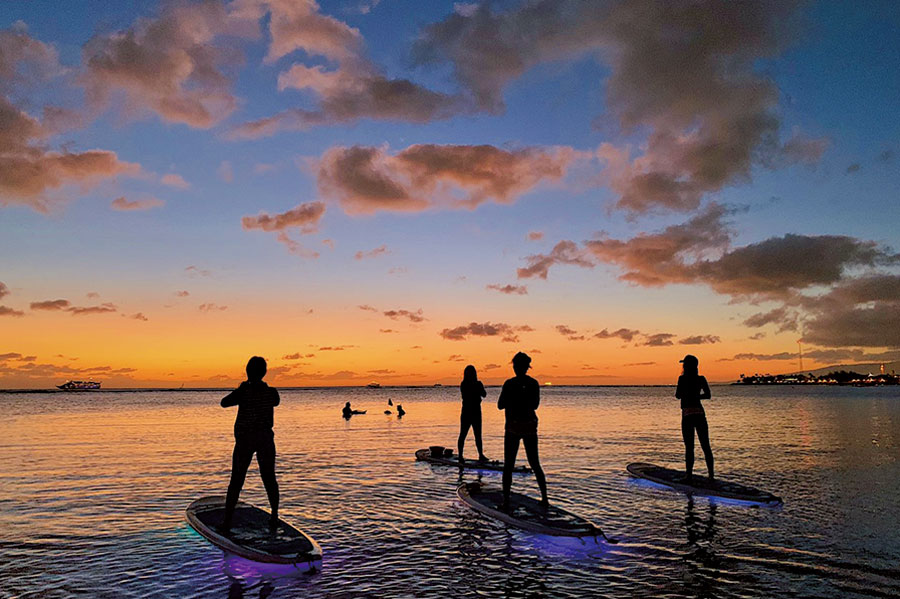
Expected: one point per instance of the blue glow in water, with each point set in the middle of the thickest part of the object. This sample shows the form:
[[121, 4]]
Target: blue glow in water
[[245, 569], [643, 482]]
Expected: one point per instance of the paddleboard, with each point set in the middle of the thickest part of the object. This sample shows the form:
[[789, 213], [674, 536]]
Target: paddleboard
[[527, 513], [424, 455], [250, 536], [701, 485]]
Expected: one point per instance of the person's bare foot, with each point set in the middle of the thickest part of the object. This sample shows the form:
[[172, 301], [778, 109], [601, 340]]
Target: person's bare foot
[[545, 503]]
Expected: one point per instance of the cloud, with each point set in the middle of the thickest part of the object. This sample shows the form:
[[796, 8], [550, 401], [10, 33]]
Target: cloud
[[7, 311], [101, 309], [854, 168], [138, 316], [697, 252], [564, 252], [211, 307], [571, 334], [387, 331], [182, 293], [361, 255], [623, 334], [131, 205], [354, 89], [175, 180], [4, 290], [535, 235], [639, 364], [756, 336], [226, 171], [50, 305], [297, 356], [486, 329], [28, 169], [367, 308], [491, 366], [509, 289], [366, 179], [173, 65], [336, 347], [699, 340], [304, 217], [456, 358], [859, 312], [684, 72], [411, 316], [195, 271], [658, 340]]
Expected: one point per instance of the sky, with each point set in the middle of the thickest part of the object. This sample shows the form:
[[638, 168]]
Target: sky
[[389, 190]]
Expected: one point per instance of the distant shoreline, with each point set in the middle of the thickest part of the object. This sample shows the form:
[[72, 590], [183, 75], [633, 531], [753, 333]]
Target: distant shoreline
[[305, 388]]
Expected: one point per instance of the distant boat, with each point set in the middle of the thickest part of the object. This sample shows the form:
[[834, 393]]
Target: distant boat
[[373, 385], [79, 386], [437, 385]]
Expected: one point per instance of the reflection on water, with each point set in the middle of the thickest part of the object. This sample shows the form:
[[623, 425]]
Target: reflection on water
[[93, 490]]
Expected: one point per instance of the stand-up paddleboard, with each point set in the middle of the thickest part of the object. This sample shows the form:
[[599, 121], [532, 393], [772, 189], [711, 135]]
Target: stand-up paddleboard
[[250, 535], [424, 455], [701, 485], [527, 513]]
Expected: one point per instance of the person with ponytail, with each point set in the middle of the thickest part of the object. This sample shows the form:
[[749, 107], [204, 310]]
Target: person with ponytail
[[690, 390], [472, 391]]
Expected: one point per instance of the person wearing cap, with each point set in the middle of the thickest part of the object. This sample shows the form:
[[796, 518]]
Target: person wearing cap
[[690, 390], [519, 398]]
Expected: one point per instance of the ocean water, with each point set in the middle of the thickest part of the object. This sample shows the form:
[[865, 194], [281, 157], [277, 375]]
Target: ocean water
[[93, 489]]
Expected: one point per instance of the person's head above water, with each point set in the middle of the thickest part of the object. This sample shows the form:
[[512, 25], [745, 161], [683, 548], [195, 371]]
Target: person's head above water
[[521, 363], [690, 364], [256, 369], [469, 373], [347, 405]]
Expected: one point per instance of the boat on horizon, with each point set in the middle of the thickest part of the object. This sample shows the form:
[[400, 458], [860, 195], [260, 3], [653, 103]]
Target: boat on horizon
[[79, 386], [374, 385]]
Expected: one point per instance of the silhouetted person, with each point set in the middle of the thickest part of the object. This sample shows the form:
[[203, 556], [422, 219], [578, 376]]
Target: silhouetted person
[[400, 411], [347, 412], [520, 397], [691, 389], [472, 391], [252, 434]]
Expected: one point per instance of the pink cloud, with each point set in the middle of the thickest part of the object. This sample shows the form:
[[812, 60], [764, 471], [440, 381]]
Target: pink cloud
[[509, 289], [173, 65], [367, 179], [506, 331], [211, 307], [133, 205], [7, 311], [175, 180], [374, 253]]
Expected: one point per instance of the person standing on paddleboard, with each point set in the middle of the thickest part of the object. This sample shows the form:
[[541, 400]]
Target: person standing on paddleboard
[[253, 434], [520, 397], [690, 390], [472, 391]]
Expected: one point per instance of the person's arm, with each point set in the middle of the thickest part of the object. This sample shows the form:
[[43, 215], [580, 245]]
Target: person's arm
[[483, 390], [678, 392], [501, 403], [277, 398], [537, 394], [234, 398], [704, 388]]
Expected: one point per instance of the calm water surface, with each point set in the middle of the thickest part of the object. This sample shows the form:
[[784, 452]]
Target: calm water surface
[[93, 489]]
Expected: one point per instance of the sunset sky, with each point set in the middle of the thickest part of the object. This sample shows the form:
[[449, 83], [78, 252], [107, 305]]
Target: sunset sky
[[365, 190]]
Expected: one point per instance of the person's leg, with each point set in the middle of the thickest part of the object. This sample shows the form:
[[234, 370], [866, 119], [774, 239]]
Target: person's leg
[[531, 452], [240, 461], [265, 457], [703, 435], [476, 429], [463, 432], [687, 433], [510, 449]]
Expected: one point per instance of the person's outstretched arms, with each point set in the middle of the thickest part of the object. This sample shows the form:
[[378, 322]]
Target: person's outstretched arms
[[234, 398], [704, 388]]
